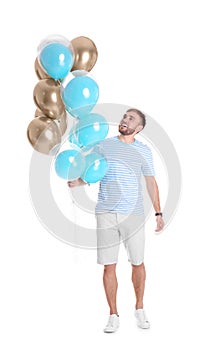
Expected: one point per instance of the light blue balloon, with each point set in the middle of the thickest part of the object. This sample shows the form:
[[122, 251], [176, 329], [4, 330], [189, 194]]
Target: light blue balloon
[[80, 95], [95, 168], [57, 60], [70, 164], [91, 129], [85, 149], [73, 139]]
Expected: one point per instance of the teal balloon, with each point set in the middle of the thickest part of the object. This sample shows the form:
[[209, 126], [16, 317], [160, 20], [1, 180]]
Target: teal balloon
[[70, 164], [57, 60], [73, 139], [90, 147], [80, 95], [95, 168], [91, 129]]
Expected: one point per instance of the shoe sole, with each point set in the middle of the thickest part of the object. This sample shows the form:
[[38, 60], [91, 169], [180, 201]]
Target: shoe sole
[[110, 331]]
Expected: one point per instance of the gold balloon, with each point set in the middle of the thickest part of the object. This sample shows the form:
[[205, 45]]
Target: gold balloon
[[39, 113], [40, 72], [47, 97], [61, 123], [85, 53], [43, 134]]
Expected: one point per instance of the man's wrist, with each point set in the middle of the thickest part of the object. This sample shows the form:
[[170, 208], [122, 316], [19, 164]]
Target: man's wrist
[[85, 183], [158, 214]]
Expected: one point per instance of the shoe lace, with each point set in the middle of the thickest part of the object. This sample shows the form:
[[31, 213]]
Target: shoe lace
[[143, 317], [111, 322]]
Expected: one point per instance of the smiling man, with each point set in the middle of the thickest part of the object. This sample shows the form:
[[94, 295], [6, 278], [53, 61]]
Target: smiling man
[[120, 211]]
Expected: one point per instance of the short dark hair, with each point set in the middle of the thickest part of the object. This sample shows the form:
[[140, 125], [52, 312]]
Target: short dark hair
[[141, 115]]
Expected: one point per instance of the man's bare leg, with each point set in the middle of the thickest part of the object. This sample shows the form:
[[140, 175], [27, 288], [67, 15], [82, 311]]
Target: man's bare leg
[[138, 279], [110, 285]]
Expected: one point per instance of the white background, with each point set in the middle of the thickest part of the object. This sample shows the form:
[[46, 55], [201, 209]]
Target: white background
[[155, 55]]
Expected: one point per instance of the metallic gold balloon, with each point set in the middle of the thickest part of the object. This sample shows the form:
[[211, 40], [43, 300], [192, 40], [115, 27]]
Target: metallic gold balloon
[[43, 134], [39, 113], [47, 97], [62, 123], [85, 52], [40, 72]]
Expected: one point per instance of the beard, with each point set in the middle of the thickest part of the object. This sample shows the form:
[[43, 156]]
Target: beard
[[125, 131]]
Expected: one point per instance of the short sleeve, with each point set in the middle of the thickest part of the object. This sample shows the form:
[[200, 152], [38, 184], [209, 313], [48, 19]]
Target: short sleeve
[[147, 162]]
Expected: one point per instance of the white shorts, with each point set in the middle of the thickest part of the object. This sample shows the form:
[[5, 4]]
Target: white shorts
[[114, 228]]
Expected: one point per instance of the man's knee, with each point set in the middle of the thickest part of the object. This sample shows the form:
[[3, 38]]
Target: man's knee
[[110, 268], [140, 266]]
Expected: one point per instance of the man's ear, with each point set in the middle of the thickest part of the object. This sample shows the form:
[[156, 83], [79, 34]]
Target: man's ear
[[139, 128]]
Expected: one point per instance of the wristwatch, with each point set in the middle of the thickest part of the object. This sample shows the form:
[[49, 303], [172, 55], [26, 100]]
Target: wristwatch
[[156, 214]]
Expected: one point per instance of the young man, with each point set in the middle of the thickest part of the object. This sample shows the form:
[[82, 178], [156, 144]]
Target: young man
[[120, 211]]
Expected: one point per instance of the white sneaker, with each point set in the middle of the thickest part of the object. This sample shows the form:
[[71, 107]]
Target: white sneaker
[[141, 318], [113, 324]]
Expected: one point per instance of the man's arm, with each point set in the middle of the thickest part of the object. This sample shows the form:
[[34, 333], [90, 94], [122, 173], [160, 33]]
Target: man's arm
[[153, 192], [77, 182]]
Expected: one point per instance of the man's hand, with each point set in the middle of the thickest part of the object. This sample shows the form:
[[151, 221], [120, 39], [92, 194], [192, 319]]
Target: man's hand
[[77, 182], [160, 223]]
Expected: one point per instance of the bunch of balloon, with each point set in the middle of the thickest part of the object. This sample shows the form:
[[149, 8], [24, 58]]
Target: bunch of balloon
[[80, 93], [83, 159], [53, 63]]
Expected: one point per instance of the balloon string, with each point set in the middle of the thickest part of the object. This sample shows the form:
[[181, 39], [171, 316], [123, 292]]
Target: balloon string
[[75, 223], [74, 213]]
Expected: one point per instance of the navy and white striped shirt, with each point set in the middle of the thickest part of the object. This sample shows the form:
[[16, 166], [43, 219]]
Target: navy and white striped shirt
[[120, 189]]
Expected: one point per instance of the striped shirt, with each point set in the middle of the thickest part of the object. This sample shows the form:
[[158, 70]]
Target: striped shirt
[[120, 190]]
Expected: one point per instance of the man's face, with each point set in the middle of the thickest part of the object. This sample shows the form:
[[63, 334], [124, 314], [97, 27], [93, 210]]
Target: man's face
[[130, 123]]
